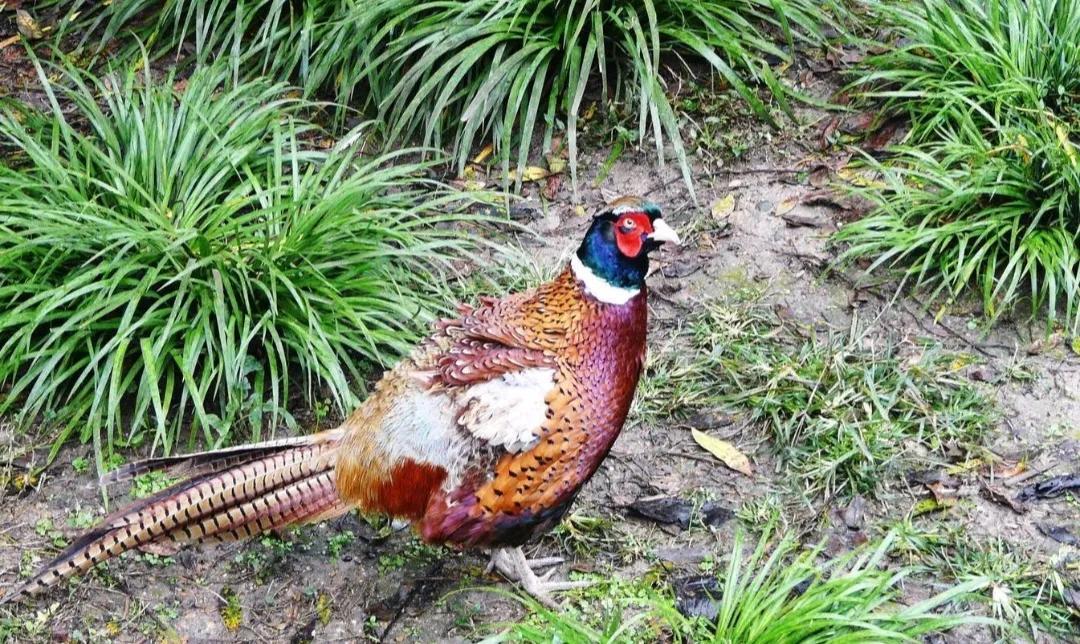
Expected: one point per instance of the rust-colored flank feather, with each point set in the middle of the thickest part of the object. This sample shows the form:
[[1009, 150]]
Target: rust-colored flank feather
[[483, 436]]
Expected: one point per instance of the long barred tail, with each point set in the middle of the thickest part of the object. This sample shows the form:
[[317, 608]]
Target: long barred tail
[[230, 494]]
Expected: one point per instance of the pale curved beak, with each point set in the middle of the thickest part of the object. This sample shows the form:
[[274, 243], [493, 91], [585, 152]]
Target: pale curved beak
[[663, 233]]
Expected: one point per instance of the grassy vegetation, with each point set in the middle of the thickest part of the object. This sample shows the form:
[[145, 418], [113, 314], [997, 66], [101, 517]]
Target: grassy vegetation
[[414, 553], [460, 74], [984, 194], [198, 249], [843, 413], [1021, 589], [778, 594]]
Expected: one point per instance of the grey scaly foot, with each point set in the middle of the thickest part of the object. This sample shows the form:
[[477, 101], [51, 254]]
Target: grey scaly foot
[[513, 565]]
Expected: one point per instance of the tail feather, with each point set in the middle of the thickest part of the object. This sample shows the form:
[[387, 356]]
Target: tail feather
[[239, 494], [200, 462], [304, 501]]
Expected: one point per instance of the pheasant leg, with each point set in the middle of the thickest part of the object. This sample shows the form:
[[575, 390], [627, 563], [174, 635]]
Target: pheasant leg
[[513, 565]]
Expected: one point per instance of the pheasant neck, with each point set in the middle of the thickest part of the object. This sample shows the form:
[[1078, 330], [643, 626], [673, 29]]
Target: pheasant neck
[[600, 288], [612, 359]]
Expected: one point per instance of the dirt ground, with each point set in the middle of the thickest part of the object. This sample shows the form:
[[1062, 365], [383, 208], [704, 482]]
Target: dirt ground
[[320, 584]]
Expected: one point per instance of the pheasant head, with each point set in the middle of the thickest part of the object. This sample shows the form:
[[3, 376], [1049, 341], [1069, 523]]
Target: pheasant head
[[613, 259]]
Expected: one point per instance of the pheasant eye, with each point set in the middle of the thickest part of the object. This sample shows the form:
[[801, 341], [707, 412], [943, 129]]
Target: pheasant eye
[[628, 225]]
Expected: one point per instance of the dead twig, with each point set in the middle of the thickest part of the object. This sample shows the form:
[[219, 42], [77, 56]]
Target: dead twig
[[1030, 474], [694, 457], [729, 172], [956, 334]]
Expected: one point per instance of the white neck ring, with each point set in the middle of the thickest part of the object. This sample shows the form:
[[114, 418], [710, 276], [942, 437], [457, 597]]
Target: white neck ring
[[598, 287]]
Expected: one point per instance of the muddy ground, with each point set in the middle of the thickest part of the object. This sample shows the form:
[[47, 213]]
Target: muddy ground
[[322, 584]]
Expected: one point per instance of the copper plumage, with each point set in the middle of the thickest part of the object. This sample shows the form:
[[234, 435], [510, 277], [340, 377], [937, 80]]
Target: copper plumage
[[482, 437]]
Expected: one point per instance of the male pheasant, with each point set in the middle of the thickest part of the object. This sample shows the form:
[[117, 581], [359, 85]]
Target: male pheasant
[[481, 438]]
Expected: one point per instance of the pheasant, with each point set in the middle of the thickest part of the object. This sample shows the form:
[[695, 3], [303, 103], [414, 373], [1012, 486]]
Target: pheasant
[[481, 438]]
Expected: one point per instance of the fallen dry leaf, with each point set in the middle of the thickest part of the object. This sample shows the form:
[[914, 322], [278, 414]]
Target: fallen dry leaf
[[551, 186], [724, 207], [825, 198], [862, 179], [881, 137], [827, 133], [530, 173], [819, 176], [1063, 138], [468, 185], [483, 154], [942, 493], [556, 164], [786, 205], [28, 26], [858, 123], [723, 450], [471, 179], [997, 495], [1010, 471]]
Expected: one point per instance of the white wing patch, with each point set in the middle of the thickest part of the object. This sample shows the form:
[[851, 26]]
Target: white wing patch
[[420, 425], [508, 411]]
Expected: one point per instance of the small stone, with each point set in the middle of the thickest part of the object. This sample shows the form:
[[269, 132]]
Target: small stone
[[525, 210], [682, 556], [710, 419], [802, 220], [855, 513]]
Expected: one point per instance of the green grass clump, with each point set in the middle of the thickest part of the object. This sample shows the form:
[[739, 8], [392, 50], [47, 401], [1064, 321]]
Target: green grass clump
[[786, 595], [458, 74], [196, 250], [842, 413], [1022, 590], [984, 195]]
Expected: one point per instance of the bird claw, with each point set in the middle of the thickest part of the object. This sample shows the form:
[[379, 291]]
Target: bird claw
[[544, 562], [511, 562]]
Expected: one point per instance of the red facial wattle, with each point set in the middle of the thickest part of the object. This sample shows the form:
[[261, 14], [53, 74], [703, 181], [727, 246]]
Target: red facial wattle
[[631, 230]]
